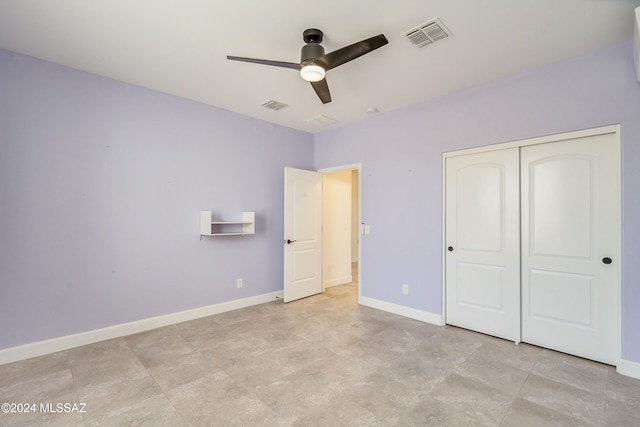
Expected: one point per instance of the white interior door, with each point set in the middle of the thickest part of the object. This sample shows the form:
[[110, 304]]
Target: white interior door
[[302, 233], [482, 237], [570, 246]]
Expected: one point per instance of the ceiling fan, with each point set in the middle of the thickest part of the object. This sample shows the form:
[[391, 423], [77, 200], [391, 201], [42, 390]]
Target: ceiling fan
[[314, 63]]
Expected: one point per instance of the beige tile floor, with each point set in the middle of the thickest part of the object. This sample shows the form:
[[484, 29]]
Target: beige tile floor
[[323, 361]]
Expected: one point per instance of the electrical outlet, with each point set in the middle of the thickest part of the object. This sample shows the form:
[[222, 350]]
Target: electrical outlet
[[405, 289], [239, 283]]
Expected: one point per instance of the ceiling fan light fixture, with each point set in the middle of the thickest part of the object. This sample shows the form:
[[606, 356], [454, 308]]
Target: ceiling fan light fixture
[[312, 73]]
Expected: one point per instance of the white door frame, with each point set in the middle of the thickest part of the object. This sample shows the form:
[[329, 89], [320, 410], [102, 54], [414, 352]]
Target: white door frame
[[350, 167], [541, 140]]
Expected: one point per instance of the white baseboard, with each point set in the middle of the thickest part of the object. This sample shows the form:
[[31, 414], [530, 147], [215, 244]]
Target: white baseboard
[[338, 281], [630, 369], [412, 313], [27, 351]]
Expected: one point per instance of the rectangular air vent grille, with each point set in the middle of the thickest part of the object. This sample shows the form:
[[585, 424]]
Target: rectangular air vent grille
[[321, 120], [428, 33], [274, 105]]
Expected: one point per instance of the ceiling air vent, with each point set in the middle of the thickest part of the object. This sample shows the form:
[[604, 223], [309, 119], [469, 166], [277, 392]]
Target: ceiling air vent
[[274, 105], [321, 120], [428, 33]]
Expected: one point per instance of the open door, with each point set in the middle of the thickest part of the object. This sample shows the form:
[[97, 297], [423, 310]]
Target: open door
[[302, 233]]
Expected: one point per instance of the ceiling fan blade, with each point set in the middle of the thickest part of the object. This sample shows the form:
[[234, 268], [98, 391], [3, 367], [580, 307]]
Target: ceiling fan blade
[[322, 90], [351, 52], [266, 62]]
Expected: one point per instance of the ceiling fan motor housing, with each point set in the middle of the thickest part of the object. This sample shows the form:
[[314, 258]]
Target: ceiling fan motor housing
[[312, 49]]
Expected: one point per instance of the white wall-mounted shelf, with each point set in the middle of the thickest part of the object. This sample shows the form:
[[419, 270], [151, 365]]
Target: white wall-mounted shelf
[[208, 227]]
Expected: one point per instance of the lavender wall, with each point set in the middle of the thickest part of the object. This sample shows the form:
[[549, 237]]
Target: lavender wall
[[401, 156], [102, 184]]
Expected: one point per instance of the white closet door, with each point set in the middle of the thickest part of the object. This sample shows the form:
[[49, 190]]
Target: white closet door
[[570, 246], [482, 237]]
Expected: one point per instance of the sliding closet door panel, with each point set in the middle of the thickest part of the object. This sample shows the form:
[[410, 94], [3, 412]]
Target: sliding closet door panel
[[570, 216], [482, 238]]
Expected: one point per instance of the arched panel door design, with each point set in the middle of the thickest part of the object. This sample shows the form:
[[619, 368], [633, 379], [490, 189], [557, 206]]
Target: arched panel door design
[[532, 243], [570, 217], [482, 238]]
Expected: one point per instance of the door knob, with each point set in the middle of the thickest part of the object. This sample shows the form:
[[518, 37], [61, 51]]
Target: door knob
[[607, 260], [289, 241], [450, 248]]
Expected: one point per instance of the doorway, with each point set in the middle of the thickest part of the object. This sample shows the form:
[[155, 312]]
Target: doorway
[[315, 259], [341, 226]]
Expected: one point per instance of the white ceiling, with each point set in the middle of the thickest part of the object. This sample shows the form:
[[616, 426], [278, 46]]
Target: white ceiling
[[180, 46]]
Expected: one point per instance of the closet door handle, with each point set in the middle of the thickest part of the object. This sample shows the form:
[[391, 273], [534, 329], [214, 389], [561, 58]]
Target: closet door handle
[[450, 248], [607, 260], [289, 241]]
